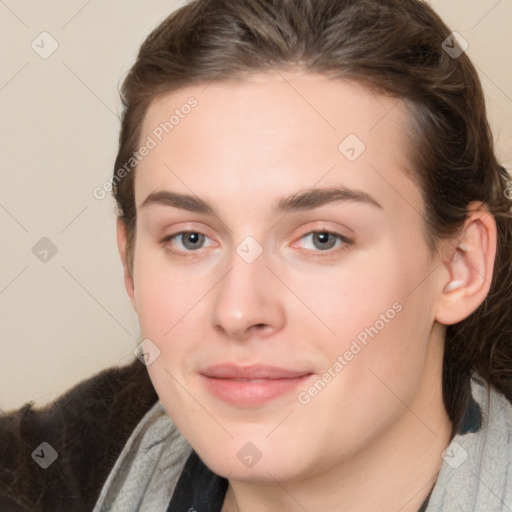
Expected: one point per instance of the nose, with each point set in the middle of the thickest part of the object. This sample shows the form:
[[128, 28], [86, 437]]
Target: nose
[[248, 300]]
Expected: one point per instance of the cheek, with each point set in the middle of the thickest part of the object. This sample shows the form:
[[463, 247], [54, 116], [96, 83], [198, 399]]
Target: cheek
[[163, 294], [397, 337], [373, 373], [168, 306], [353, 296], [381, 314]]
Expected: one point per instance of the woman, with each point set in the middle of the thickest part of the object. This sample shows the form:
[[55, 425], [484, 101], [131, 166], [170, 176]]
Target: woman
[[315, 233]]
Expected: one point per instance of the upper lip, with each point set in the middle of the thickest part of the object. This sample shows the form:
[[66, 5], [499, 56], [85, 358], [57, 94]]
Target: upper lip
[[255, 371]]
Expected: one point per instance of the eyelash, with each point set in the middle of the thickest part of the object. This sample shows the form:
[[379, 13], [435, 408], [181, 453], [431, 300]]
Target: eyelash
[[346, 243]]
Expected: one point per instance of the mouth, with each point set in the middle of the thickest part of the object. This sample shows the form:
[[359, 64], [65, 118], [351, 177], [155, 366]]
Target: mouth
[[252, 386]]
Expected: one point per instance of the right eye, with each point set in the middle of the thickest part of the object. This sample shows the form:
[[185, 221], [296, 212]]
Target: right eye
[[190, 242]]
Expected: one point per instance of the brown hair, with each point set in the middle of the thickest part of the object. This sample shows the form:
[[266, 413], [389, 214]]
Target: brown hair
[[396, 48]]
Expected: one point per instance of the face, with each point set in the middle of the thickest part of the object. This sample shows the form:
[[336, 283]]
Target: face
[[281, 270]]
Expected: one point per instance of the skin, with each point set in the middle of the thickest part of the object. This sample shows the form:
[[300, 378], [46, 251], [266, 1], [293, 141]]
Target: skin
[[359, 443]]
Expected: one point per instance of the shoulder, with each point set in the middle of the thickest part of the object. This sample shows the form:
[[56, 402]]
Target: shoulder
[[476, 473], [84, 430]]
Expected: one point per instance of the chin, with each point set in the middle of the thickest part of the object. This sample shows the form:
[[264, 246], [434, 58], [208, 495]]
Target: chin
[[254, 460], [259, 472]]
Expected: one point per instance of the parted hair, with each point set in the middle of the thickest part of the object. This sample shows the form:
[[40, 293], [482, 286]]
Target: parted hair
[[398, 48]]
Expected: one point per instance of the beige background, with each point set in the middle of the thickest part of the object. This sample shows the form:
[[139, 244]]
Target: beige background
[[65, 319]]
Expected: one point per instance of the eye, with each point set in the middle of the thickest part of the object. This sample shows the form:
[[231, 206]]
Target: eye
[[325, 240], [187, 241]]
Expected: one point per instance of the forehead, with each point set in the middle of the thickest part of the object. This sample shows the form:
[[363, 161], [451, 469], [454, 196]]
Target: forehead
[[274, 132]]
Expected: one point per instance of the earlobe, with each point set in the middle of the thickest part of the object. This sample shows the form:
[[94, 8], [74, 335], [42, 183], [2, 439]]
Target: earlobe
[[468, 268], [122, 247]]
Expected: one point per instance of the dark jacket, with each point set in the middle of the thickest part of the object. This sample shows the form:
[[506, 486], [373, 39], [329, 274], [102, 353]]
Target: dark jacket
[[87, 427]]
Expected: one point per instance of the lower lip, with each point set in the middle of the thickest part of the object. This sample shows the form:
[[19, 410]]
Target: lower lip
[[252, 393]]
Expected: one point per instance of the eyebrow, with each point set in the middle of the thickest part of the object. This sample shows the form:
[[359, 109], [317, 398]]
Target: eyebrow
[[301, 201]]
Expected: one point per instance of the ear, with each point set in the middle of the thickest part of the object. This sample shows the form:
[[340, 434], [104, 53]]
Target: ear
[[467, 267], [122, 245]]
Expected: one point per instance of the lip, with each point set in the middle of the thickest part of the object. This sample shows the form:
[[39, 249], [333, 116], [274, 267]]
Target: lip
[[251, 386]]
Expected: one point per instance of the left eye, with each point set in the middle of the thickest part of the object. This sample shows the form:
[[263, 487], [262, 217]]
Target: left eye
[[324, 240]]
